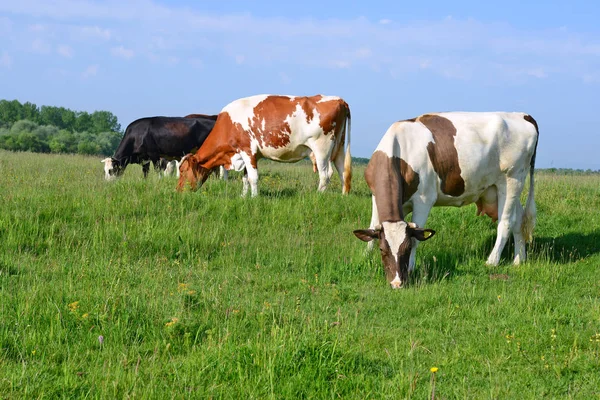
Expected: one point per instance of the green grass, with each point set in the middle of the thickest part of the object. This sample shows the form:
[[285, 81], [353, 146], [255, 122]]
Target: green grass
[[208, 295]]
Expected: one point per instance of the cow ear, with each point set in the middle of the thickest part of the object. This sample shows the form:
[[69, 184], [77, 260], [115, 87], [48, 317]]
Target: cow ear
[[421, 234], [366, 235]]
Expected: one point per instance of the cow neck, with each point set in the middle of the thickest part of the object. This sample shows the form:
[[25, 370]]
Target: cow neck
[[385, 181]]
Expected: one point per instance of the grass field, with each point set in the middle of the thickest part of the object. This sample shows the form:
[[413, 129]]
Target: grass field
[[131, 290]]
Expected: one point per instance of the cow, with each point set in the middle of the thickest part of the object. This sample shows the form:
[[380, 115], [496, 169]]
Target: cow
[[450, 159], [280, 128], [149, 139], [172, 167]]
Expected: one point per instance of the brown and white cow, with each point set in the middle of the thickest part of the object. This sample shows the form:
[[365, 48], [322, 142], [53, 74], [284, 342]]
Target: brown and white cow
[[450, 159], [280, 128]]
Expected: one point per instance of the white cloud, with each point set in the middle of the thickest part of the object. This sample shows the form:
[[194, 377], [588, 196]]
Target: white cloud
[[37, 28], [537, 73], [65, 51], [6, 25], [339, 64], [90, 71], [40, 46], [5, 60], [449, 47], [363, 52], [92, 32], [122, 52]]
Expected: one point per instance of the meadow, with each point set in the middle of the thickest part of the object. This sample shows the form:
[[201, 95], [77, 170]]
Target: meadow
[[129, 289]]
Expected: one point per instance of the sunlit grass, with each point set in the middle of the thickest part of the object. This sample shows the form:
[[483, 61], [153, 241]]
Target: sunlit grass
[[129, 289]]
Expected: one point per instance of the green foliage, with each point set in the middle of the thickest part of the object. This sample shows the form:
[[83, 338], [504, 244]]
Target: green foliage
[[210, 295], [57, 129]]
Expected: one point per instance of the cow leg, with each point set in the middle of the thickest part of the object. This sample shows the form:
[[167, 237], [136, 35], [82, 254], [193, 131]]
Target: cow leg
[[158, 168], [374, 223], [177, 164], [245, 183], [339, 166], [223, 173], [252, 173], [323, 165], [419, 217], [145, 168], [520, 254], [253, 179], [508, 198]]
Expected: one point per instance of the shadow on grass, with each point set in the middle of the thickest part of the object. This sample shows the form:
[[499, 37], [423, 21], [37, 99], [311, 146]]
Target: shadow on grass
[[279, 193], [568, 247]]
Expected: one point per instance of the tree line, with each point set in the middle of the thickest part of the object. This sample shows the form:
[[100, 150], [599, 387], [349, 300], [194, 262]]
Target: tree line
[[48, 129]]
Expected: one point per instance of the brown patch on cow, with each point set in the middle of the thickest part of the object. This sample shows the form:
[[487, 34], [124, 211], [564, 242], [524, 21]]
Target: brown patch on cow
[[383, 175], [224, 141], [443, 154], [308, 109], [408, 120], [333, 116], [410, 181], [274, 111]]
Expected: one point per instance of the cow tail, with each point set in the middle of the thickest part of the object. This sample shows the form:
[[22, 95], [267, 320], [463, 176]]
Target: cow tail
[[528, 222], [348, 156]]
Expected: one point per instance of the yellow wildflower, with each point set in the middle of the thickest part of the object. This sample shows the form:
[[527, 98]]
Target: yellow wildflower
[[182, 287], [172, 322], [433, 370], [73, 306]]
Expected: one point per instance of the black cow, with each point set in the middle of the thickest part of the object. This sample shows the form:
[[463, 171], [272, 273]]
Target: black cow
[[150, 139]]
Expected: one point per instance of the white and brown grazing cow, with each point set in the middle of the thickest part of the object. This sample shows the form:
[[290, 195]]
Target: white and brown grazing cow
[[280, 128], [450, 159]]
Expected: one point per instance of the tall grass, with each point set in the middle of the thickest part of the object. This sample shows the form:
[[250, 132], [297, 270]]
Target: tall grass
[[129, 289]]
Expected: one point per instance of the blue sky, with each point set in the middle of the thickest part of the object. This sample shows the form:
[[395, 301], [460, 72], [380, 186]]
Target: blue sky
[[390, 60]]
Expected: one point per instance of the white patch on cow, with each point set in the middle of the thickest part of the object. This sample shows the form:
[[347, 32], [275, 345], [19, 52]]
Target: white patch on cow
[[237, 162], [171, 167], [396, 282], [395, 234], [108, 166], [328, 98], [242, 111]]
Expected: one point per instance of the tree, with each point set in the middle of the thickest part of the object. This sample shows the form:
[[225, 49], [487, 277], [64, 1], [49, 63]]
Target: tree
[[51, 116], [9, 111], [30, 111], [23, 126], [83, 122], [104, 121]]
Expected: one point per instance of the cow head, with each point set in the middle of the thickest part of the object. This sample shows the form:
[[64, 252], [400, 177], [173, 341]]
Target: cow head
[[395, 243], [112, 168], [190, 171]]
